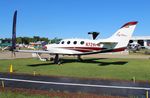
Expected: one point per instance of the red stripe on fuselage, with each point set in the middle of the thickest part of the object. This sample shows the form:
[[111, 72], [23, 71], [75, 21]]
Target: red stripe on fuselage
[[84, 49], [94, 49], [119, 49]]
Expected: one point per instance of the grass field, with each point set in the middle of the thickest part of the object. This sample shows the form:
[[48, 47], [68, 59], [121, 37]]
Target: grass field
[[124, 69]]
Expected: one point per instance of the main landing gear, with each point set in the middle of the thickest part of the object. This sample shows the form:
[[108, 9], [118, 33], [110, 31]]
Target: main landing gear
[[57, 60], [79, 58]]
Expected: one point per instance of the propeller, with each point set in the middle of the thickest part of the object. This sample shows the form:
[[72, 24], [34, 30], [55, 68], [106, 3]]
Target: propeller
[[13, 47]]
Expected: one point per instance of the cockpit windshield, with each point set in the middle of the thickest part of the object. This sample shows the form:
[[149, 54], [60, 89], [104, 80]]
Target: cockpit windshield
[[58, 42]]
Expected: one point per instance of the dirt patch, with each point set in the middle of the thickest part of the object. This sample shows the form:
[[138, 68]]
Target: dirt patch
[[55, 94], [8, 55]]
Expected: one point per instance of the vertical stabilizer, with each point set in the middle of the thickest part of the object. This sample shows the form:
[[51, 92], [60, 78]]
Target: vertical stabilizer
[[124, 34]]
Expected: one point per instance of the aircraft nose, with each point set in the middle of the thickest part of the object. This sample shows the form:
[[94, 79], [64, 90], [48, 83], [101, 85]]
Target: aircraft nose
[[44, 47]]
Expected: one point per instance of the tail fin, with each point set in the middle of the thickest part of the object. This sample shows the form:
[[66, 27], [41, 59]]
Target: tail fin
[[126, 30], [14, 32], [123, 35]]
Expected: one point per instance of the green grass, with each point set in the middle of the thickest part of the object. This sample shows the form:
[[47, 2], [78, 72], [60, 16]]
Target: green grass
[[124, 69], [9, 94]]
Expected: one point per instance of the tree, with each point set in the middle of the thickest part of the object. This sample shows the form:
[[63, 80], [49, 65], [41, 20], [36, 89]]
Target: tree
[[19, 40], [44, 39], [55, 40], [36, 38]]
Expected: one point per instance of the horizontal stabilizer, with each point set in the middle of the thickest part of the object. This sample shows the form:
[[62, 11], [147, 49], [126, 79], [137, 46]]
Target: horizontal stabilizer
[[108, 43]]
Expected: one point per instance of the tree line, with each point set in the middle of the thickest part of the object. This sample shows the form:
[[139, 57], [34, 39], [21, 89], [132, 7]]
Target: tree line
[[27, 40]]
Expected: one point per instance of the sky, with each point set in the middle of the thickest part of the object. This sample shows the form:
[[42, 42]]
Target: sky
[[73, 18]]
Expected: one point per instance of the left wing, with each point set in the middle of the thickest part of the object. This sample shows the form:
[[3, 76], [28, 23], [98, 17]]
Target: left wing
[[52, 51]]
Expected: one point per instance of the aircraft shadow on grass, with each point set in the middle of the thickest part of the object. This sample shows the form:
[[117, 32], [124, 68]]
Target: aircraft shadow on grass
[[40, 64], [95, 61], [91, 60], [113, 63]]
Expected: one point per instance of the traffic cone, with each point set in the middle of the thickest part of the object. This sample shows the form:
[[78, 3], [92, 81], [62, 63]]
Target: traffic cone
[[11, 68]]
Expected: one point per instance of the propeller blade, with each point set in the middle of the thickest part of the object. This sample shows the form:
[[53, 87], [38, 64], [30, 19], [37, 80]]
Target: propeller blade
[[14, 33]]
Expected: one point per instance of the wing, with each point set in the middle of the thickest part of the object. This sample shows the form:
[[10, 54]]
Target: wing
[[52, 51]]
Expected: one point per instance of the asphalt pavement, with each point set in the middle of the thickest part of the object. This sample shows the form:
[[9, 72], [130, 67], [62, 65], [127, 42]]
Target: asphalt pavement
[[75, 85]]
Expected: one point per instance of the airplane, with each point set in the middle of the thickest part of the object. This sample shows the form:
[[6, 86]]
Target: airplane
[[78, 47], [5, 46]]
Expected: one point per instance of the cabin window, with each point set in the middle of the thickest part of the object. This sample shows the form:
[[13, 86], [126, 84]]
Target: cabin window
[[68, 42], [82, 42], [75, 42], [62, 42]]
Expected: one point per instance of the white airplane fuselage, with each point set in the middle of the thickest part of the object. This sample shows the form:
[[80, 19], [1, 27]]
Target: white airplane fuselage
[[79, 47], [115, 43], [75, 46]]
